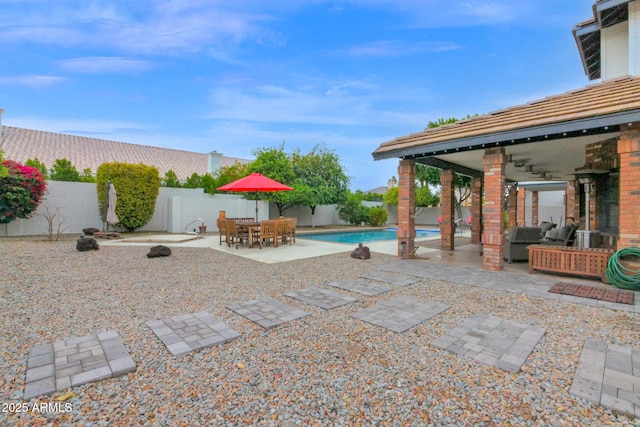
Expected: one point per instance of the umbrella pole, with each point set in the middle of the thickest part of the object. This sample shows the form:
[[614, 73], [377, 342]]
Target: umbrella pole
[[256, 206]]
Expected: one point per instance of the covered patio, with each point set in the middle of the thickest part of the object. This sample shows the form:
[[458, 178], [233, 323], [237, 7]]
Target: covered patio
[[586, 139]]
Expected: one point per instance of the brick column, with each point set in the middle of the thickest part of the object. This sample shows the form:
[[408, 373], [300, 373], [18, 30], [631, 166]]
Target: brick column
[[476, 210], [447, 206], [629, 151], [512, 207], [534, 209], [494, 162], [572, 201], [521, 207], [593, 214], [406, 207]]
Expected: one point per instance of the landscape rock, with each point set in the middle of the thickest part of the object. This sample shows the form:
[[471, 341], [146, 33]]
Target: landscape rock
[[361, 252], [87, 244], [90, 231], [158, 251]]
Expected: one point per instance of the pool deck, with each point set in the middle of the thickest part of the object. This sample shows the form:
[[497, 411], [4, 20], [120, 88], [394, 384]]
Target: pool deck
[[303, 248]]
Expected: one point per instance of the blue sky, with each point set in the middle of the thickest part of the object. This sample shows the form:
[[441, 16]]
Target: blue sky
[[233, 76]]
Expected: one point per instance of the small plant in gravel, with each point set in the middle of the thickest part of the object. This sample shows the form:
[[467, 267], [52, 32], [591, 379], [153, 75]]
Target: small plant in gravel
[[21, 191], [55, 223]]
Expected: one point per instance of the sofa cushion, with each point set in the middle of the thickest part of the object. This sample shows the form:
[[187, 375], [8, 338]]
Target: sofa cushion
[[524, 235]]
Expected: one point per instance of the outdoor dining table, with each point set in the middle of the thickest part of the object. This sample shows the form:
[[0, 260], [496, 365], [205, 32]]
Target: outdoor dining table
[[250, 227]]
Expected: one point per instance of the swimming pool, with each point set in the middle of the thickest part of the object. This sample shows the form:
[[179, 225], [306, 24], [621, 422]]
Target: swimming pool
[[363, 236]]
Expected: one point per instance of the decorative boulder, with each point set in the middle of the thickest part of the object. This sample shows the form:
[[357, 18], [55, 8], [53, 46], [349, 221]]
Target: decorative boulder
[[90, 231], [87, 244], [361, 252], [157, 251]]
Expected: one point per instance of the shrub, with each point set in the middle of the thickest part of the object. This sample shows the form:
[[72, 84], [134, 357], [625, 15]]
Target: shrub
[[377, 216], [171, 180], [137, 188], [21, 191], [353, 211], [64, 170]]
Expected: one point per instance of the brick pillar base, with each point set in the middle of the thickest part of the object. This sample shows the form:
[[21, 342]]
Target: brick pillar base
[[534, 209], [494, 162], [629, 151], [476, 210], [406, 208], [521, 207], [447, 226]]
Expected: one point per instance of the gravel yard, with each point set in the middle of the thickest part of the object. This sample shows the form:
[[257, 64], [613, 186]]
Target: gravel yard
[[323, 369]]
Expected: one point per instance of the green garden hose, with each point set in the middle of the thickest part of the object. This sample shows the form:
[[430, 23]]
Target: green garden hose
[[621, 276]]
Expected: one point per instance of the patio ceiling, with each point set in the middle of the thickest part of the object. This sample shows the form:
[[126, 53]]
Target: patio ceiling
[[556, 159]]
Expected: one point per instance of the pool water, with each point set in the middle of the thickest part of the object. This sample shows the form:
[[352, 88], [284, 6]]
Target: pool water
[[363, 236]]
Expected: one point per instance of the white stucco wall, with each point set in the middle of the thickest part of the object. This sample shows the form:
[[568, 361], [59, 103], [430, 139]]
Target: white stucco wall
[[615, 51], [634, 38]]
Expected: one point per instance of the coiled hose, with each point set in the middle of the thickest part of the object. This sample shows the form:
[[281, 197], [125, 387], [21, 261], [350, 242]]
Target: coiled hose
[[621, 276]]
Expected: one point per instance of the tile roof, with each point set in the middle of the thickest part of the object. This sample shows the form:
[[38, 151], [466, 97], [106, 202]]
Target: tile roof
[[601, 99], [21, 144]]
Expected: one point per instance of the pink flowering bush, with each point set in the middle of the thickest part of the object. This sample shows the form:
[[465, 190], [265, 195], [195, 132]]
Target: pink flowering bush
[[21, 191]]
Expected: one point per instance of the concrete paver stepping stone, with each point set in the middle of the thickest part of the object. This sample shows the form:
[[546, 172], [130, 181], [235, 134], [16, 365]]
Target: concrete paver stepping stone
[[360, 286], [400, 313], [492, 341], [321, 297], [72, 362], [267, 312], [609, 375], [392, 278], [191, 332]]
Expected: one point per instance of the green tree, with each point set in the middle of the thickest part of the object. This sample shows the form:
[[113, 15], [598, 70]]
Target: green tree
[[87, 176], [21, 191], [278, 165], [352, 211], [423, 198], [36, 163], [137, 187], [64, 170], [324, 178], [228, 174], [171, 180], [208, 183], [194, 181]]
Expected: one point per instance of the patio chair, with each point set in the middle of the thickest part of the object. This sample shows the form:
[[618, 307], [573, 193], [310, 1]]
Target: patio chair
[[564, 237], [518, 240], [293, 222], [283, 226], [544, 227], [222, 229], [268, 231], [234, 235]]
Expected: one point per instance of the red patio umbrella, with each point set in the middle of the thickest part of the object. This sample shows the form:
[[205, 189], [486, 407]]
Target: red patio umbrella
[[255, 182]]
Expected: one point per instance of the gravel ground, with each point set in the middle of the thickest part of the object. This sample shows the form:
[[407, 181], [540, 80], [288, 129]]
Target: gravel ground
[[325, 369]]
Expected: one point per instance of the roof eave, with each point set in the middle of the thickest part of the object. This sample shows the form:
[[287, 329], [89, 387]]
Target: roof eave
[[598, 124]]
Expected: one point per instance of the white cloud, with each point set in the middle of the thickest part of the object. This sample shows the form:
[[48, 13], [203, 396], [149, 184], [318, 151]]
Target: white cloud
[[395, 48], [351, 103], [32, 81], [104, 64]]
